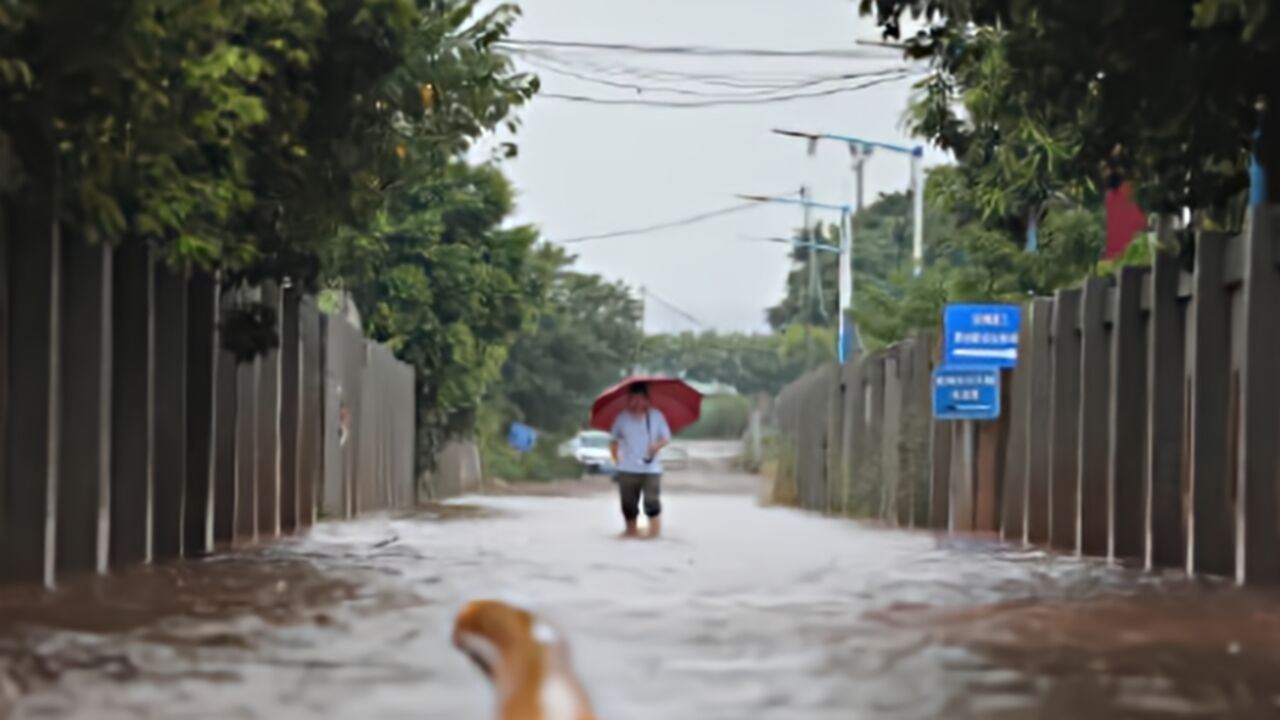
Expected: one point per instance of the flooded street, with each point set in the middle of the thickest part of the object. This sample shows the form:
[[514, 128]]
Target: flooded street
[[740, 612]]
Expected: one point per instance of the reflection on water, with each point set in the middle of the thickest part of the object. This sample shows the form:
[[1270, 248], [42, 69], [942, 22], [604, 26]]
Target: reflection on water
[[742, 612]]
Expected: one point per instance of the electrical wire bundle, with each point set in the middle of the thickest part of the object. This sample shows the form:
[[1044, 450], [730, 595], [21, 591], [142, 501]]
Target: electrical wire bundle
[[688, 76]]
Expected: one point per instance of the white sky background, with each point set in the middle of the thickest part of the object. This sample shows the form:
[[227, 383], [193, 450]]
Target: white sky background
[[588, 169]]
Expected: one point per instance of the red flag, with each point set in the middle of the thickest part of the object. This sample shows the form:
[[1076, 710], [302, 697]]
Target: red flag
[[1124, 220]]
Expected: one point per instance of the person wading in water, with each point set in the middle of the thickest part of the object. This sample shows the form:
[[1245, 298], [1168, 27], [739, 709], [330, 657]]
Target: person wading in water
[[639, 434]]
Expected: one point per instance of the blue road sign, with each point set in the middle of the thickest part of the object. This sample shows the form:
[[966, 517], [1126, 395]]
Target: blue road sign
[[981, 335], [521, 437], [966, 393]]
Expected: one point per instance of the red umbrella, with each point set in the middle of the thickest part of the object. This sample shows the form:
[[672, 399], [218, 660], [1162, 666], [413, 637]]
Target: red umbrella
[[679, 403]]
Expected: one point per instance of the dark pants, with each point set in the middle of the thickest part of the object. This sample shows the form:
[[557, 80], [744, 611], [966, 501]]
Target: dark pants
[[631, 486]]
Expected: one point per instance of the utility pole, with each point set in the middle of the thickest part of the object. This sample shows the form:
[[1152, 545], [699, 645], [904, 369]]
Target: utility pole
[[917, 186], [811, 294], [859, 165], [844, 248], [917, 178], [847, 275]]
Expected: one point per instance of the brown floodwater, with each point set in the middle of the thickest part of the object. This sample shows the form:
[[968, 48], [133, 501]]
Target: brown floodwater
[[739, 612]]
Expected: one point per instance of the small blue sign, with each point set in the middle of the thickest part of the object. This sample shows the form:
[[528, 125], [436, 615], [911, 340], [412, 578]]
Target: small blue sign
[[848, 342], [521, 437], [981, 335], [966, 393]]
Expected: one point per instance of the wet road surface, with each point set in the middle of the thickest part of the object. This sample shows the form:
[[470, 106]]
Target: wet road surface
[[739, 612]]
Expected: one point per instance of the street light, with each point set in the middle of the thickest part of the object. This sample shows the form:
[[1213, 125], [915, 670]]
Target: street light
[[861, 148], [844, 293]]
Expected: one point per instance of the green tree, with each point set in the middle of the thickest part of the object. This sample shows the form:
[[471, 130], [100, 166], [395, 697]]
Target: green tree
[[244, 133], [402, 88], [145, 110], [314, 140], [584, 339], [1015, 160], [882, 248], [803, 303], [970, 256], [975, 261], [447, 288], [751, 363], [1160, 91]]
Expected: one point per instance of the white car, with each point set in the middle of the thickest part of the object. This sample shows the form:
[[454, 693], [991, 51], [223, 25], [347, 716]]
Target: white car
[[591, 449]]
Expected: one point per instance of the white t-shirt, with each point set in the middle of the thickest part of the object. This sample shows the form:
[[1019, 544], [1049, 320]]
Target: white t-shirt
[[634, 436]]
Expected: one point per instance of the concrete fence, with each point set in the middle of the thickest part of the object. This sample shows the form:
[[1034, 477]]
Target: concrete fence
[[128, 434], [1142, 423]]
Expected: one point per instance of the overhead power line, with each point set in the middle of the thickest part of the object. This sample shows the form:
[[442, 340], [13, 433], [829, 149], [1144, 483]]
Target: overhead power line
[[692, 219], [682, 222], [768, 71], [758, 90], [609, 67], [698, 50], [675, 309], [727, 101]]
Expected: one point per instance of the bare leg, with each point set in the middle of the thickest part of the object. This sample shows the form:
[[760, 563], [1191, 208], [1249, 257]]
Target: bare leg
[[653, 504], [655, 527]]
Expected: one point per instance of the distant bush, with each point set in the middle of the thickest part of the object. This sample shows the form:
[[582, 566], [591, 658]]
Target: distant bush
[[542, 464], [499, 460], [724, 417]]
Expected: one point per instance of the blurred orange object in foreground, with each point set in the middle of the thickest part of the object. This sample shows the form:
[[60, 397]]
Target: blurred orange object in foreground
[[526, 660]]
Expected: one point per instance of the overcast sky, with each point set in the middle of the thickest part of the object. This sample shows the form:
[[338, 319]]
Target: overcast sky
[[586, 169]]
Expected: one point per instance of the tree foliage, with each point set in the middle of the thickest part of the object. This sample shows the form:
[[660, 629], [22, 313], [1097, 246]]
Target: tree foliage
[[1164, 93], [882, 246], [314, 140], [584, 339], [244, 133], [448, 289], [969, 257], [1047, 104], [750, 363], [1015, 160]]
